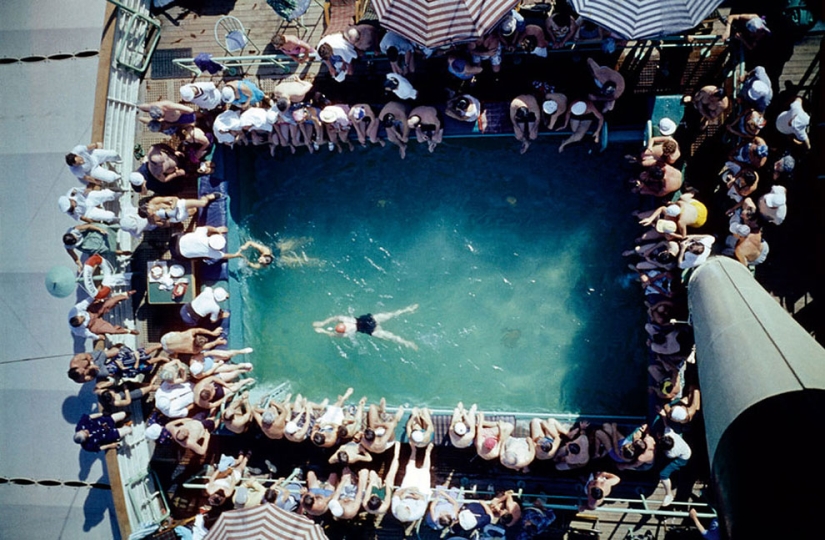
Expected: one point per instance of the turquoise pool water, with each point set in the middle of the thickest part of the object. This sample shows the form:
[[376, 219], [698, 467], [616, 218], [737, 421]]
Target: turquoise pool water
[[525, 301]]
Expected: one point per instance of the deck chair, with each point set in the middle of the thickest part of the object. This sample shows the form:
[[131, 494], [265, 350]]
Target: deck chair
[[231, 36]]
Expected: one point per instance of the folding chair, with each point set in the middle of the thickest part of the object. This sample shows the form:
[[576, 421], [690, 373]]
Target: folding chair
[[230, 34]]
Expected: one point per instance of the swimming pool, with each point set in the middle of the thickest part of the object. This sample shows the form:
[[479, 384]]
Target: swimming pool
[[525, 301]]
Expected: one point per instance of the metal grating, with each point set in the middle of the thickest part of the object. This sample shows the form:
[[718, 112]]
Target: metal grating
[[163, 67]]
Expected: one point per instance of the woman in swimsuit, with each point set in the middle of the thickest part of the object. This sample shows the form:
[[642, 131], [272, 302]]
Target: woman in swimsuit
[[370, 324], [211, 392], [166, 116], [378, 494], [526, 118], [489, 437], [242, 94]]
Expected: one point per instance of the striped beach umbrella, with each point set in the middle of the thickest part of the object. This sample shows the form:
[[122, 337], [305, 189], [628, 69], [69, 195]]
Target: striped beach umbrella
[[640, 19], [434, 23], [264, 522]]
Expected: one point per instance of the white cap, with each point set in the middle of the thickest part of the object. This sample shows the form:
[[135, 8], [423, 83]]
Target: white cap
[[740, 229], [578, 108], [673, 210], [758, 90], [335, 508], [153, 432], [136, 179], [755, 24], [196, 367], [801, 121], [467, 520], [187, 93], [549, 106], [291, 427], [665, 226], [328, 115], [460, 429], [776, 197], [509, 26], [64, 203], [417, 436], [227, 94], [220, 294], [678, 413], [217, 242], [667, 127]]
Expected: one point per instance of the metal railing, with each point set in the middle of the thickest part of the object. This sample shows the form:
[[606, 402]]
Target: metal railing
[[140, 37], [235, 65]]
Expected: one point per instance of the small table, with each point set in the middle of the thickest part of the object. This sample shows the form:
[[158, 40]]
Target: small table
[[157, 295]]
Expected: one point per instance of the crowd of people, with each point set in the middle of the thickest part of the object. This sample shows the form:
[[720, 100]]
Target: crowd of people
[[196, 386]]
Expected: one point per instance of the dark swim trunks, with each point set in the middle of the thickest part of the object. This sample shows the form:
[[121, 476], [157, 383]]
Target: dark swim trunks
[[365, 324]]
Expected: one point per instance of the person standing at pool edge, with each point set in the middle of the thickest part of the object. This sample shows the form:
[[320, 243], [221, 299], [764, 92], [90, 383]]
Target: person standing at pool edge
[[369, 324]]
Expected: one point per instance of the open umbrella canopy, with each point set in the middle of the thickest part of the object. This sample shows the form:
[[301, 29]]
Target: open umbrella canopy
[[639, 19], [61, 281], [434, 23], [264, 522]]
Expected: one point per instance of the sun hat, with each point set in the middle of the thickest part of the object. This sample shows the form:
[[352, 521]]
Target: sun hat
[[417, 436], [217, 242], [64, 203], [187, 93], [335, 508], [755, 24], [578, 108], [290, 428], [467, 520], [220, 294], [329, 115], [665, 226], [673, 248], [227, 121], [549, 106], [801, 121], [136, 179], [758, 90], [673, 210], [153, 432], [490, 443], [777, 197], [678, 413], [667, 127], [403, 512], [460, 429], [227, 94]]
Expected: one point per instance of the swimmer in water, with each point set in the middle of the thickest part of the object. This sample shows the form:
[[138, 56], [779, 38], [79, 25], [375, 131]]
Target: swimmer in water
[[369, 324], [286, 254]]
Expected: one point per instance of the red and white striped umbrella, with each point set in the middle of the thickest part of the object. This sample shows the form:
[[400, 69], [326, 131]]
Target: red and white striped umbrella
[[264, 522], [640, 19], [433, 23]]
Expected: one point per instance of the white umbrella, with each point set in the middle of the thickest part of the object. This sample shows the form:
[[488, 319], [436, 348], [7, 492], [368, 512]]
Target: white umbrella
[[639, 19], [433, 23]]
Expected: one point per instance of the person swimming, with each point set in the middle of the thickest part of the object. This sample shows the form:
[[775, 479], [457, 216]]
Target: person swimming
[[346, 325]]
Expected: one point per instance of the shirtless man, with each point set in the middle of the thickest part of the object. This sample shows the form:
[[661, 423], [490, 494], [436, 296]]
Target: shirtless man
[[238, 414], [318, 494], [420, 427], [393, 117], [710, 102], [211, 392], [487, 48], [547, 436], [334, 424], [192, 434], [751, 250], [526, 118], [294, 47], [598, 487], [659, 150], [686, 212], [297, 428], [364, 37], [463, 426], [163, 162], [380, 431], [609, 85], [579, 116], [517, 452], [553, 107], [292, 89], [505, 508], [489, 437], [349, 453], [362, 117], [378, 492], [222, 482], [424, 120], [576, 452], [348, 326], [346, 501], [191, 341], [273, 418]]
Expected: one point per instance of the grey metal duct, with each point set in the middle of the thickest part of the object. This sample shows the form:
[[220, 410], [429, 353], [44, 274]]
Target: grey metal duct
[[763, 396]]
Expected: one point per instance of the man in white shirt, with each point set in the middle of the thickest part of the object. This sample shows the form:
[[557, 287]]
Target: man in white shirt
[[203, 94], [795, 122], [85, 163], [394, 46], [174, 399], [87, 206], [206, 305], [338, 54], [205, 243], [695, 250], [400, 86], [678, 452]]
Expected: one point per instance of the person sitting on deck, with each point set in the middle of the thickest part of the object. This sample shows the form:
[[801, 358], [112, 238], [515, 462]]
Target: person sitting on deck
[[216, 362], [338, 55], [579, 117], [506, 510], [192, 433], [227, 475], [205, 307], [337, 123], [609, 86], [747, 28], [683, 410], [393, 117], [740, 185], [756, 91], [164, 163], [489, 437], [86, 163], [346, 501], [635, 451], [526, 118], [533, 40], [575, 453], [561, 26], [242, 94], [667, 379], [238, 414], [685, 212], [86, 317], [333, 426], [547, 435], [751, 153], [192, 341], [553, 107], [302, 417], [90, 239], [747, 125], [174, 400], [318, 494], [87, 205], [399, 51], [203, 94], [473, 515], [294, 47], [364, 37], [598, 487], [166, 116], [362, 117], [460, 66], [710, 102], [380, 431], [350, 452], [658, 180], [273, 418], [420, 427], [517, 452], [794, 122], [773, 205], [212, 392], [749, 248], [96, 432], [695, 250], [444, 506], [463, 426], [660, 150], [464, 108], [487, 47], [378, 493], [400, 86], [370, 324], [227, 128], [409, 501], [165, 211], [427, 126]]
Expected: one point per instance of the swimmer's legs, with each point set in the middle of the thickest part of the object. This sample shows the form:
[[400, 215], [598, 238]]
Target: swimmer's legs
[[384, 317]]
